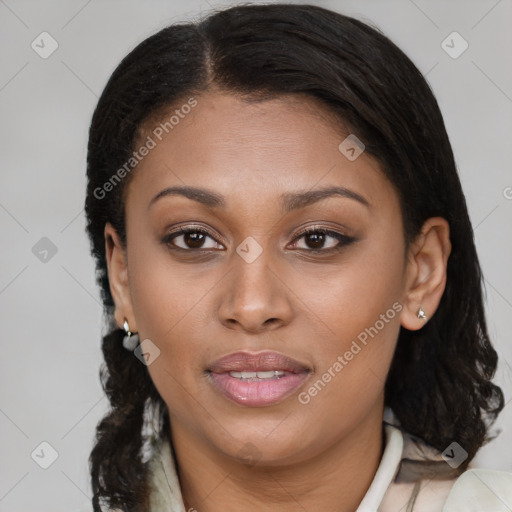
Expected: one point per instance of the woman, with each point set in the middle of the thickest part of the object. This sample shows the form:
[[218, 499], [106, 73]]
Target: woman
[[293, 296]]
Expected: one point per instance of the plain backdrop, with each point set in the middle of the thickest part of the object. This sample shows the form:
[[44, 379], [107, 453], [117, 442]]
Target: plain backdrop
[[50, 312]]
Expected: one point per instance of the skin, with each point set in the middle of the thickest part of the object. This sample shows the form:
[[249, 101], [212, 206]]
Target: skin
[[199, 306]]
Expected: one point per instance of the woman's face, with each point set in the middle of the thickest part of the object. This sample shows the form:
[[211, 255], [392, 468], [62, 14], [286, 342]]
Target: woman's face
[[313, 318]]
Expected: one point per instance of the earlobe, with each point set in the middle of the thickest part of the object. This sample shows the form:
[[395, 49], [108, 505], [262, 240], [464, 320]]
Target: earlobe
[[118, 277], [426, 273]]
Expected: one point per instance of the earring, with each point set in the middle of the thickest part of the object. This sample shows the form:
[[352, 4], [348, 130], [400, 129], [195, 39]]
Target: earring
[[130, 341], [421, 314]]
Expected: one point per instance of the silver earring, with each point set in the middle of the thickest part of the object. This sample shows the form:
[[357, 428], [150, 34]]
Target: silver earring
[[421, 314], [130, 341]]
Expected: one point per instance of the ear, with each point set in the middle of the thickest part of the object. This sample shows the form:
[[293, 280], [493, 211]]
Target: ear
[[118, 278], [427, 260]]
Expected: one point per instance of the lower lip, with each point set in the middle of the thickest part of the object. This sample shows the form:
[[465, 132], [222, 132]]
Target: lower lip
[[258, 393]]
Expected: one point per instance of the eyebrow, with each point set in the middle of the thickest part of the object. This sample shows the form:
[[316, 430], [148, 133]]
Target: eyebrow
[[290, 200]]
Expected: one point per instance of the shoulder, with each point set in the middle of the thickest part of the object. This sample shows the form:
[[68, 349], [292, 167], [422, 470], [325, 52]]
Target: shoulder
[[481, 489], [476, 490], [430, 481]]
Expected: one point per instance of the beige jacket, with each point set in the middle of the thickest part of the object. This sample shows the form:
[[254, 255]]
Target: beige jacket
[[396, 486]]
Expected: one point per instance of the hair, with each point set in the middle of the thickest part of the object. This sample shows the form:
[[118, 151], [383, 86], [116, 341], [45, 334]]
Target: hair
[[439, 383]]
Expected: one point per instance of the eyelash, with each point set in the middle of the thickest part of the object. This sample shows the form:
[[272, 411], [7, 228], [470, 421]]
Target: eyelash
[[343, 239]]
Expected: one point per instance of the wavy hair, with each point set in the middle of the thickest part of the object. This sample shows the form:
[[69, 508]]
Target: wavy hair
[[439, 384]]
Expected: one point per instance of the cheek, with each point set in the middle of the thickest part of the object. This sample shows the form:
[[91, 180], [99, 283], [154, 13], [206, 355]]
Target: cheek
[[358, 305], [353, 297], [361, 310], [165, 294], [170, 304], [154, 294], [165, 313]]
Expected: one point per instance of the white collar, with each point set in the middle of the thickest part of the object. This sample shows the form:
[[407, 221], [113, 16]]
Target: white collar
[[386, 471]]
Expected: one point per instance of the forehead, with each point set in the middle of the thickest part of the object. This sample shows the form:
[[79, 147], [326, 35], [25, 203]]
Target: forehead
[[254, 150]]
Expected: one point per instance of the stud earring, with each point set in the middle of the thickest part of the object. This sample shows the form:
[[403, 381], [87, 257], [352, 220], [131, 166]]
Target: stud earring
[[421, 314], [131, 340]]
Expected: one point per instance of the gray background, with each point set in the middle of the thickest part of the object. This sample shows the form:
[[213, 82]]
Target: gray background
[[50, 312]]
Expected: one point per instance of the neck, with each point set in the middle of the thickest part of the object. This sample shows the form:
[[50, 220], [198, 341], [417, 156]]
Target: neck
[[334, 480]]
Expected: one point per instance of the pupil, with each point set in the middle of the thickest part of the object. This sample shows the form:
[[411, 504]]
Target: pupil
[[194, 240], [317, 239]]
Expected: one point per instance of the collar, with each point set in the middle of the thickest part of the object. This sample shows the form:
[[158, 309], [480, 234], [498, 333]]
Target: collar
[[386, 472]]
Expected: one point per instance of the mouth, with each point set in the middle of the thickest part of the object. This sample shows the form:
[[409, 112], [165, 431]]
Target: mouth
[[257, 379]]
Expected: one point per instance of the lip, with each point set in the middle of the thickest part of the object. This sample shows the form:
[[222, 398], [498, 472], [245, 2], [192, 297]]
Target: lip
[[256, 361], [257, 393]]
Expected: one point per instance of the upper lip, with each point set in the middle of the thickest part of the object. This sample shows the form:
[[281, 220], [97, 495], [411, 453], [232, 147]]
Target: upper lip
[[256, 361]]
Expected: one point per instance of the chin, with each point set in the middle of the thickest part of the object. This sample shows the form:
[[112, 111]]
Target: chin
[[268, 442]]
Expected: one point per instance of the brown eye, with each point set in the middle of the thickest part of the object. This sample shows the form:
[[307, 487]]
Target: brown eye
[[194, 240], [190, 239], [322, 240], [315, 240]]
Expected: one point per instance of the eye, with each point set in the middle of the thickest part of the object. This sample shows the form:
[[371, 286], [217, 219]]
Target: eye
[[193, 237], [317, 238]]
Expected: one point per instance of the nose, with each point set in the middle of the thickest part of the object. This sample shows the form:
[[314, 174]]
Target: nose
[[254, 298]]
